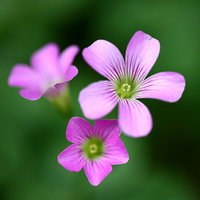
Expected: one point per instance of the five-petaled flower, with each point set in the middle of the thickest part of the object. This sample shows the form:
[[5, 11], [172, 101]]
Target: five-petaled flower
[[48, 75], [127, 83], [94, 149]]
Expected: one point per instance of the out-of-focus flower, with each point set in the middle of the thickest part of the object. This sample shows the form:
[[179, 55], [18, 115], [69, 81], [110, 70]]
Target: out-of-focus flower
[[48, 75], [49, 72], [94, 149], [127, 83]]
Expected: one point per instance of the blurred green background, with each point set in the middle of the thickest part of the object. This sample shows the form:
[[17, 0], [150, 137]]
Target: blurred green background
[[164, 165]]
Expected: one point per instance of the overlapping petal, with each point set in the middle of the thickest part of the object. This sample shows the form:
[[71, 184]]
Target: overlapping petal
[[134, 118], [72, 158], [166, 86], [71, 72], [141, 54], [96, 171], [105, 58], [23, 76], [106, 129], [116, 152], [45, 61], [30, 94], [66, 58], [55, 89], [98, 99], [78, 130]]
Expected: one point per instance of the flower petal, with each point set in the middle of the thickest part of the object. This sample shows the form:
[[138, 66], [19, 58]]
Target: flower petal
[[71, 72], [105, 58], [106, 129], [116, 152], [96, 171], [57, 89], [134, 118], [30, 94], [78, 130], [72, 158], [45, 60], [141, 54], [98, 99], [67, 56], [23, 76], [166, 86]]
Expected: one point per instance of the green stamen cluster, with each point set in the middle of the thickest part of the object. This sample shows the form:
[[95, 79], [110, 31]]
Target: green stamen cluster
[[93, 148], [126, 88]]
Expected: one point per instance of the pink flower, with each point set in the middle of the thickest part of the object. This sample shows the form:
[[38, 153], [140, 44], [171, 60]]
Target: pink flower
[[94, 149], [127, 83], [48, 75]]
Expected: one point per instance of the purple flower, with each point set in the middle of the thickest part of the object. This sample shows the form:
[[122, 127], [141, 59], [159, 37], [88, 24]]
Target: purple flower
[[94, 149], [127, 83], [48, 75]]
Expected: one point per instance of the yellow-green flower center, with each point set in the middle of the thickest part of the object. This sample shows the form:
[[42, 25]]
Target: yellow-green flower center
[[126, 88], [93, 148]]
